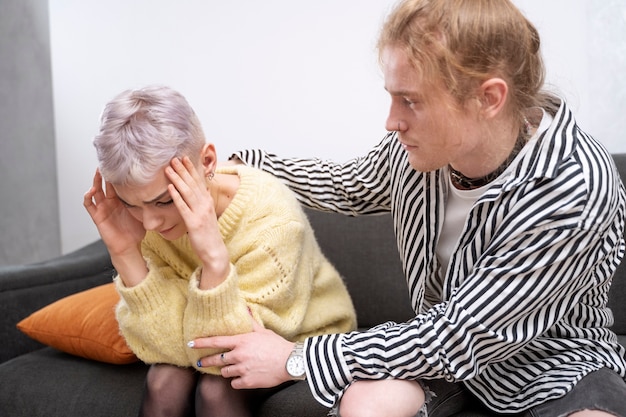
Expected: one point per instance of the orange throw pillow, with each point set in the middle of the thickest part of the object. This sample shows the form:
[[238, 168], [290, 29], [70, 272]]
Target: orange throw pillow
[[82, 324]]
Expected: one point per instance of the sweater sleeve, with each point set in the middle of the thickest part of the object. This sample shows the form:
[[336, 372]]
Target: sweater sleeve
[[217, 311], [273, 281], [150, 316], [358, 186]]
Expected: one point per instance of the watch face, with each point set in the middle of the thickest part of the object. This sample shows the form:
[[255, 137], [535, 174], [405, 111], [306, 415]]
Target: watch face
[[295, 366]]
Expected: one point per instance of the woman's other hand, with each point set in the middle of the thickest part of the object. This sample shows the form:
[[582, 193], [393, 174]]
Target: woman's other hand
[[119, 230]]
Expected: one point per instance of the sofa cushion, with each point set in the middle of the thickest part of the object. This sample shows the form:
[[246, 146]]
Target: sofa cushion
[[364, 251], [48, 382], [82, 324], [294, 400], [27, 288]]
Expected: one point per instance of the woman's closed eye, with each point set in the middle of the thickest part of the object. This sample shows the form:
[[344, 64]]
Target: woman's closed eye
[[164, 203], [125, 204]]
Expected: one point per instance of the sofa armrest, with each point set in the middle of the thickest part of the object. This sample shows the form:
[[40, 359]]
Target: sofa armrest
[[27, 288]]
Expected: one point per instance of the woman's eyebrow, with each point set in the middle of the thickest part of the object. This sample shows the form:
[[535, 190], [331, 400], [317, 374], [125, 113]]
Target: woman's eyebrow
[[157, 198], [154, 200]]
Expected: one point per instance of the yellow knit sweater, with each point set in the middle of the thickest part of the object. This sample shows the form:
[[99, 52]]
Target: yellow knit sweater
[[277, 272]]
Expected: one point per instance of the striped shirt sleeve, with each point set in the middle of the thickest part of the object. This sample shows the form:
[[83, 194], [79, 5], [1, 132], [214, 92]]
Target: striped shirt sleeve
[[358, 186]]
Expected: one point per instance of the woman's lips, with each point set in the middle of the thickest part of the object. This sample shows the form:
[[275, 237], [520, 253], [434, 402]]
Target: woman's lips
[[166, 231]]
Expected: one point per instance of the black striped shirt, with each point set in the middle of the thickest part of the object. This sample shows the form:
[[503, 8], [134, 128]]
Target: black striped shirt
[[522, 313]]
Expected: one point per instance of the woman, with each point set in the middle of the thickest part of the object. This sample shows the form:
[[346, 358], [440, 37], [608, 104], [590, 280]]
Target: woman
[[509, 221], [201, 251]]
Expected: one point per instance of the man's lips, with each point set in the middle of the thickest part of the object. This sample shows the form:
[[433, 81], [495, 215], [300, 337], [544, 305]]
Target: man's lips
[[408, 147]]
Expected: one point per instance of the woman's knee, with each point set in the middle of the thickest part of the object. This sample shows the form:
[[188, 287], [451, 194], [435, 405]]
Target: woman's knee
[[390, 397], [162, 377], [214, 388], [168, 391]]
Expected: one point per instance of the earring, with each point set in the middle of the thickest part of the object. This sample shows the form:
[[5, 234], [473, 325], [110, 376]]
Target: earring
[[210, 176]]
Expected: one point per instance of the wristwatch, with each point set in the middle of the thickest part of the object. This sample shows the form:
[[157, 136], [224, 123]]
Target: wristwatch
[[295, 363]]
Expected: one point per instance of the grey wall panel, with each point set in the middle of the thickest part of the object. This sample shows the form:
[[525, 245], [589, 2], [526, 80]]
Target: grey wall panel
[[29, 209]]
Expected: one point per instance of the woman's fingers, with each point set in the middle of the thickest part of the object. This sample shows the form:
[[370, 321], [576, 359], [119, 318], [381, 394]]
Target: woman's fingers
[[110, 191], [97, 179], [94, 195], [188, 173], [190, 186], [88, 201], [182, 180]]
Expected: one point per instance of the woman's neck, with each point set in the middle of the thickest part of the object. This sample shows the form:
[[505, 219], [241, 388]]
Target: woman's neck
[[223, 189]]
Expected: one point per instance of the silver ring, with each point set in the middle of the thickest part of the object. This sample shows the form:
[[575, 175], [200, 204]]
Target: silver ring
[[223, 357]]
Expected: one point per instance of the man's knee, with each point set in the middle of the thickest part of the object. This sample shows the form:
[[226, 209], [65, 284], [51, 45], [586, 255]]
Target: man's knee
[[393, 398]]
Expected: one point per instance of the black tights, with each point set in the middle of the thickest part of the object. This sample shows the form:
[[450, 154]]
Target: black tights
[[179, 392]]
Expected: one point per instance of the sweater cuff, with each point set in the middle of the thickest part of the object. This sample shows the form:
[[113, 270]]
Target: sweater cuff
[[217, 301], [149, 294]]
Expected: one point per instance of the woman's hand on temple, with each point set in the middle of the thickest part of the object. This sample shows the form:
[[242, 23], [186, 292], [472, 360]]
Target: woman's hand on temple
[[196, 206], [120, 231], [252, 360]]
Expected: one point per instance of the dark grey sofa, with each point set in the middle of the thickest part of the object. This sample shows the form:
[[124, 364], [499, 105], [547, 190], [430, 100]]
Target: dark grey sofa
[[36, 380]]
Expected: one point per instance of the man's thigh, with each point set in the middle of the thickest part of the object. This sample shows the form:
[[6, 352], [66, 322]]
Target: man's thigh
[[449, 398], [601, 390]]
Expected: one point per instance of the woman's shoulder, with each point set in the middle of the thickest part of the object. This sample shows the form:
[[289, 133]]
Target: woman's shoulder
[[262, 196]]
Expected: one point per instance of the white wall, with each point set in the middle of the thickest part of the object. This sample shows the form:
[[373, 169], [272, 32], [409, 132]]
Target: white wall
[[584, 47], [299, 78]]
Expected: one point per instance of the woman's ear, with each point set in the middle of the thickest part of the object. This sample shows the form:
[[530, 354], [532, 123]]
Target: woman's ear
[[208, 158], [493, 96]]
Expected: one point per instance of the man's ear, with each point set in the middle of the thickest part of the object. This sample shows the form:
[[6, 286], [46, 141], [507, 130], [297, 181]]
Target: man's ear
[[493, 95], [208, 158]]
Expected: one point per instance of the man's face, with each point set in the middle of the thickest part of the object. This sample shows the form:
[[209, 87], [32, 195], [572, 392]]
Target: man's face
[[430, 125]]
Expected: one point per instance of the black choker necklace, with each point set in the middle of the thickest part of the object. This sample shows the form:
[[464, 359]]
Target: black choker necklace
[[462, 182]]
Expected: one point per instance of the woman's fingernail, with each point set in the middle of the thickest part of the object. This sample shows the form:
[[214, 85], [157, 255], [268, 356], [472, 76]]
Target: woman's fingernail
[[191, 343], [199, 363]]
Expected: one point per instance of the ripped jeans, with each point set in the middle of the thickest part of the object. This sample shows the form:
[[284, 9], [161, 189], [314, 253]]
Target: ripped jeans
[[601, 390]]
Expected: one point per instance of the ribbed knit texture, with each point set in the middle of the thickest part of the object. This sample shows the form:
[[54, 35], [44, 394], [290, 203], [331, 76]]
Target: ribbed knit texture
[[277, 272]]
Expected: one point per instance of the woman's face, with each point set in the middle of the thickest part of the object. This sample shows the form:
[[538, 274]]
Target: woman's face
[[152, 205], [431, 127]]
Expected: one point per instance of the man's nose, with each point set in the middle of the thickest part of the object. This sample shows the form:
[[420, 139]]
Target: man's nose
[[394, 122]]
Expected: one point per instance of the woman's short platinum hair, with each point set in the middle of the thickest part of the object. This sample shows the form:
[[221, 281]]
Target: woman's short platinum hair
[[142, 130]]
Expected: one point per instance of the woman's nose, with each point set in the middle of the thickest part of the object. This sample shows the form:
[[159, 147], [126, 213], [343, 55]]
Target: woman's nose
[[151, 220]]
